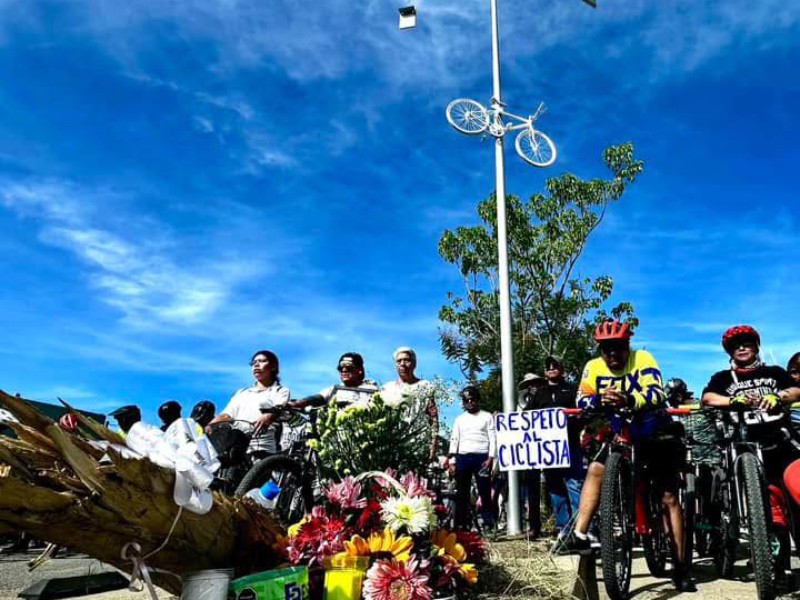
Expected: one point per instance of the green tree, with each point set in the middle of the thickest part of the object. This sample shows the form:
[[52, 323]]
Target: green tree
[[554, 308]]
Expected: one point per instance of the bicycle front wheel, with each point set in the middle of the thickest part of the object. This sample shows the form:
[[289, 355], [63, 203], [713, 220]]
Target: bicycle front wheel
[[536, 148], [467, 116], [616, 526], [758, 527], [295, 498]]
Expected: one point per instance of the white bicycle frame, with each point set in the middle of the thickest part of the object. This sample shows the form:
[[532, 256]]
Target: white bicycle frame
[[498, 111]]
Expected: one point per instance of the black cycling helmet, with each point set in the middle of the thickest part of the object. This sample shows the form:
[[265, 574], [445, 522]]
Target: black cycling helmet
[[169, 411], [127, 416], [203, 412], [676, 385]]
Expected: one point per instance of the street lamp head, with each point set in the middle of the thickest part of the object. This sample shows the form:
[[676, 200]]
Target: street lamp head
[[408, 17], [592, 3]]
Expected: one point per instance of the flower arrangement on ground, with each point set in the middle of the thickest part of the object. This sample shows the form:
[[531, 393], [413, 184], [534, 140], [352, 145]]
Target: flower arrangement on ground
[[394, 525]]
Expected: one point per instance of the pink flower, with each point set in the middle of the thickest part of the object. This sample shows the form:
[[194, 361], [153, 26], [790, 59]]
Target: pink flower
[[416, 486], [393, 580], [345, 495]]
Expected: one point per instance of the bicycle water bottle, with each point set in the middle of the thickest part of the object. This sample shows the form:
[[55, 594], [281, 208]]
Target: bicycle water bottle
[[266, 496]]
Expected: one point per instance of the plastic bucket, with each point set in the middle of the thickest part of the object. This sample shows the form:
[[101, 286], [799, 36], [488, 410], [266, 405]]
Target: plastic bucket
[[210, 584]]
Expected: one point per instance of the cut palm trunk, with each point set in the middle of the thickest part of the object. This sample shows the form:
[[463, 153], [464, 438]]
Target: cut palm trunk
[[61, 489]]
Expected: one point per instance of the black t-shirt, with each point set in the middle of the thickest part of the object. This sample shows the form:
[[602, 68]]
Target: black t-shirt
[[561, 395], [762, 380]]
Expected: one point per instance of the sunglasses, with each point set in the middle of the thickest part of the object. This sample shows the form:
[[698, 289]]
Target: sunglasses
[[750, 345], [346, 369], [794, 371], [609, 347]]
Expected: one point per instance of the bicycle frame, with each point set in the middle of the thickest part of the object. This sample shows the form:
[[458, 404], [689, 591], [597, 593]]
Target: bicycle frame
[[497, 111]]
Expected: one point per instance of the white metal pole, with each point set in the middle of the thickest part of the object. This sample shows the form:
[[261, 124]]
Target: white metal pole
[[506, 347]]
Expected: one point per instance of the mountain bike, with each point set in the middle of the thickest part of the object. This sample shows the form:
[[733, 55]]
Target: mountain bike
[[630, 506], [295, 471], [740, 490], [472, 118]]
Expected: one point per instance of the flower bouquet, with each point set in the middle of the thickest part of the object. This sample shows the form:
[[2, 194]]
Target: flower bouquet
[[372, 437], [391, 528]]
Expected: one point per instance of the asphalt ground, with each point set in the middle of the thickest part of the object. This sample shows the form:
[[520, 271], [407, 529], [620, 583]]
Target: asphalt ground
[[15, 576]]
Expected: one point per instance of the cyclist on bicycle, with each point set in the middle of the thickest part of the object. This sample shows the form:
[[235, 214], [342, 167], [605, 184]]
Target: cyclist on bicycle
[[750, 383], [354, 388], [245, 406], [678, 393], [625, 378]]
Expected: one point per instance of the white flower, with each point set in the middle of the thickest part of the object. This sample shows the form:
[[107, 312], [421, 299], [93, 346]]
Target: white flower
[[414, 514]]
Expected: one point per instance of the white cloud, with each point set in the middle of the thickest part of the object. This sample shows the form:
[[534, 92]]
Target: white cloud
[[132, 269]]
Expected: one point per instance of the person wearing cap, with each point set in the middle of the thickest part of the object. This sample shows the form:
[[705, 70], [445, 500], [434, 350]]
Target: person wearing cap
[[353, 388], [563, 485], [473, 445], [245, 406], [415, 395], [527, 399]]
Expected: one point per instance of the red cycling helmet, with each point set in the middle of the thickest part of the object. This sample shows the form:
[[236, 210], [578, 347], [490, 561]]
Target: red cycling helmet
[[612, 330], [68, 422], [736, 332]]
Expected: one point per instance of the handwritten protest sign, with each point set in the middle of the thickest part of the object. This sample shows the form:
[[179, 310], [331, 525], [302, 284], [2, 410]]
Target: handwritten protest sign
[[532, 439]]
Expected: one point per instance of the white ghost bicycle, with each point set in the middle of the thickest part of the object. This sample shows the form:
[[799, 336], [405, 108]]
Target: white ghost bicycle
[[472, 118]]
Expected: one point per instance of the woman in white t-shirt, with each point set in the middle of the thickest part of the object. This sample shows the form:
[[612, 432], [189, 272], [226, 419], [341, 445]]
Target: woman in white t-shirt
[[246, 403], [415, 394]]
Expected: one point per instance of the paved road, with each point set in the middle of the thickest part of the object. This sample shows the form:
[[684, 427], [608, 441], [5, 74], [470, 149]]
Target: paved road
[[646, 587], [14, 575]]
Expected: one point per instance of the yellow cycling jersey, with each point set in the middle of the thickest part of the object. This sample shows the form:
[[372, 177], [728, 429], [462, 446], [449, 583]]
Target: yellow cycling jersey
[[640, 380]]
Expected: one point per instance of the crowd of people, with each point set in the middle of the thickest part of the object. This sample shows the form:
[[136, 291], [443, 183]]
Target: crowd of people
[[619, 378], [624, 378], [249, 408]]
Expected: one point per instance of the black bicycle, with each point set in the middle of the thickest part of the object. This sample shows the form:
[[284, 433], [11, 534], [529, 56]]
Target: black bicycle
[[630, 506], [294, 470], [739, 489]]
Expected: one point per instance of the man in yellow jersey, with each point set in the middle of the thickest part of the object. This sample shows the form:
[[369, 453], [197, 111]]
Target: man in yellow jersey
[[626, 378]]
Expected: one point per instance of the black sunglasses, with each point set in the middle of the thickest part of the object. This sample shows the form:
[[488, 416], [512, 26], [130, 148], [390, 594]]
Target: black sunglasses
[[608, 347]]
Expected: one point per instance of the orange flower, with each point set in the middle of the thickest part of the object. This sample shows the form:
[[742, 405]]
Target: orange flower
[[446, 545]]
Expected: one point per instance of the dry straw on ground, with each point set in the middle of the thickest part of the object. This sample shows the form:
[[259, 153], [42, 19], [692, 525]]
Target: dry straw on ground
[[523, 571]]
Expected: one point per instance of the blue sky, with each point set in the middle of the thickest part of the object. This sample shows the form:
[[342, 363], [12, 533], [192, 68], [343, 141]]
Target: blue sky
[[182, 183]]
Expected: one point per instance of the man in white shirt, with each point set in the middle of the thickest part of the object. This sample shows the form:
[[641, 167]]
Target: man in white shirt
[[415, 395], [473, 444], [245, 405]]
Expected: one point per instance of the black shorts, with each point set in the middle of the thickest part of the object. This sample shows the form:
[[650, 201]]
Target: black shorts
[[661, 459]]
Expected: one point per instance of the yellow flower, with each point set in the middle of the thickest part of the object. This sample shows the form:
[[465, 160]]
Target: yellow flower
[[379, 543], [445, 544], [468, 572], [295, 529]]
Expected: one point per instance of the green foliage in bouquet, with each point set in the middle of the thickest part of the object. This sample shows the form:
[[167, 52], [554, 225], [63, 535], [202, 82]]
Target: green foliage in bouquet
[[372, 437]]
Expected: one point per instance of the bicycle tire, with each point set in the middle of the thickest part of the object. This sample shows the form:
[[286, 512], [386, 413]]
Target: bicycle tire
[[536, 149], [758, 527], [690, 498], [616, 526], [295, 497], [656, 546], [725, 526], [467, 116]]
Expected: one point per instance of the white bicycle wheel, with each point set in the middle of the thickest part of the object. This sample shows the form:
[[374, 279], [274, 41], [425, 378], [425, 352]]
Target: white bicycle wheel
[[537, 149], [467, 116]]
